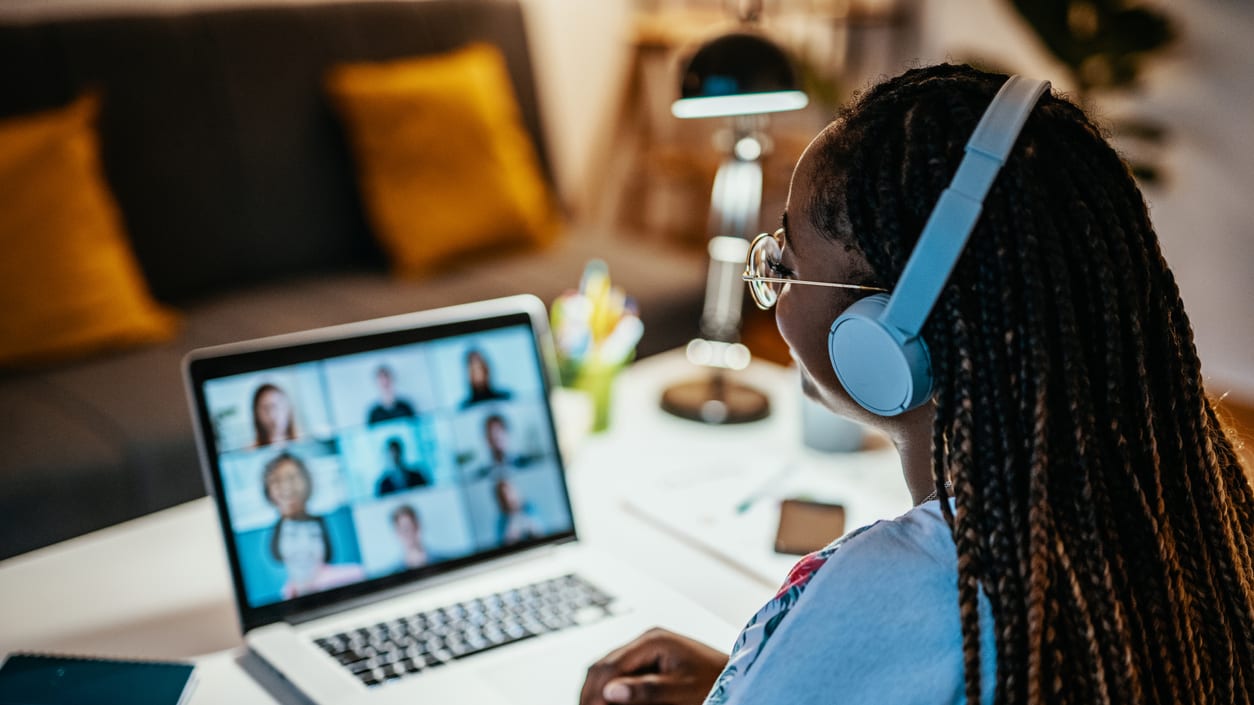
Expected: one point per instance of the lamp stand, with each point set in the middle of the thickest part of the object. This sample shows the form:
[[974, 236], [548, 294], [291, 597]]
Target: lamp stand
[[716, 400], [734, 209]]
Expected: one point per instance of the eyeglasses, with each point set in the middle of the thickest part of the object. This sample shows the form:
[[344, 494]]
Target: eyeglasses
[[767, 277]]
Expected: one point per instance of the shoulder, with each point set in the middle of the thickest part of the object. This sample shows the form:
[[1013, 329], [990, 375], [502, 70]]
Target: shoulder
[[894, 576], [884, 604], [916, 545]]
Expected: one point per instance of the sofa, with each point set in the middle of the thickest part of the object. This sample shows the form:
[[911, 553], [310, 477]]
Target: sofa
[[237, 188]]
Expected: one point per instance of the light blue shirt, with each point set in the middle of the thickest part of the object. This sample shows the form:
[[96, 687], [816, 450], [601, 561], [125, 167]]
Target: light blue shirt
[[878, 622]]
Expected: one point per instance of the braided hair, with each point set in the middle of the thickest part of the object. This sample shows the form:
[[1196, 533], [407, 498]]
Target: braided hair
[[1097, 500]]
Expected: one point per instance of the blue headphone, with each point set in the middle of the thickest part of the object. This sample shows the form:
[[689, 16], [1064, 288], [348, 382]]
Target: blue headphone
[[874, 345]]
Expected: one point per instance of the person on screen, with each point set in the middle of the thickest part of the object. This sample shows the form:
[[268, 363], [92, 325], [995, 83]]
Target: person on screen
[[303, 546], [389, 406], [501, 458], [274, 419], [408, 529], [517, 520], [287, 485], [397, 475], [479, 374]]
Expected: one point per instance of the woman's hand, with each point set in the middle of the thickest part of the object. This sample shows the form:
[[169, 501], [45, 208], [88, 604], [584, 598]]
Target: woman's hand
[[658, 667]]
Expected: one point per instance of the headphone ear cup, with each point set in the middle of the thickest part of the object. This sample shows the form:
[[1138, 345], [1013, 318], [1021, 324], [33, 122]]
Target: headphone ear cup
[[884, 371]]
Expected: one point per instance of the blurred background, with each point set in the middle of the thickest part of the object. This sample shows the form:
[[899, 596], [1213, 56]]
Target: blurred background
[[1172, 82]]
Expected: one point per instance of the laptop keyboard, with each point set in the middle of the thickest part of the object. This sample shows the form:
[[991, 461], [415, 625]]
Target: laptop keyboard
[[409, 645]]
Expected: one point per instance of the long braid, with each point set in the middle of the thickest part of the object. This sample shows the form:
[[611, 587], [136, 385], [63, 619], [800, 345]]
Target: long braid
[[1098, 504], [1002, 501], [1100, 572], [1079, 524], [1114, 252], [1162, 567], [966, 532], [1033, 369]]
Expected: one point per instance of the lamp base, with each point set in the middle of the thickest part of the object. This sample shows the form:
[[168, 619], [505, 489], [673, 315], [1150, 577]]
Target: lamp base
[[716, 400]]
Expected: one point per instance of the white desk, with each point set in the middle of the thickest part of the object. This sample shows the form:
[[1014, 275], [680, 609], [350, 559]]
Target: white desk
[[690, 479], [159, 586]]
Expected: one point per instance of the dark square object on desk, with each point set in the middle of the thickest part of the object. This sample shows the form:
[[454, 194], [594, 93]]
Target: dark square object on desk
[[806, 526], [33, 679]]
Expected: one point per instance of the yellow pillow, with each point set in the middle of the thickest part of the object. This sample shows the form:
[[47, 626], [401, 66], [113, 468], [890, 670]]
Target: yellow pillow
[[444, 164], [69, 284]]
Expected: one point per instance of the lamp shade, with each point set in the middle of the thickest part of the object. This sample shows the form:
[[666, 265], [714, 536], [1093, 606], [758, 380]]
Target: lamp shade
[[738, 74]]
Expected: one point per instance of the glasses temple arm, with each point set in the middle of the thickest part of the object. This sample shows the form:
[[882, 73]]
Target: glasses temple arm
[[755, 278]]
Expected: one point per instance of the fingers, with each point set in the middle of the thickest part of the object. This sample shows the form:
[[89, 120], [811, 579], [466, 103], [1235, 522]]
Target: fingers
[[642, 653], [626, 659], [637, 656], [653, 688]]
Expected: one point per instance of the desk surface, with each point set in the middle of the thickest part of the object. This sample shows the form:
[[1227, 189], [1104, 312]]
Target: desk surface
[[159, 586]]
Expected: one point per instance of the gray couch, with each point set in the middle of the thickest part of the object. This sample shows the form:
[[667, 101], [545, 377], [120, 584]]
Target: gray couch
[[238, 192]]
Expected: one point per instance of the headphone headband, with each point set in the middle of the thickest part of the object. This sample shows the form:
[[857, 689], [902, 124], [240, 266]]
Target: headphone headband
[[950, 224]]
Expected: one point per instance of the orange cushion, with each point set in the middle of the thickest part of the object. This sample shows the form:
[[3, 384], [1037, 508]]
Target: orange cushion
[[69, 284], [445, 166]]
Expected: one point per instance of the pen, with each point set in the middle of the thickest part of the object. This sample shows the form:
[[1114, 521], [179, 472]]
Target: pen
[[763, 489]]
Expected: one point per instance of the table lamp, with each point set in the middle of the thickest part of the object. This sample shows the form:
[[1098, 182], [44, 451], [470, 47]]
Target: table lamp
[[741, 76]]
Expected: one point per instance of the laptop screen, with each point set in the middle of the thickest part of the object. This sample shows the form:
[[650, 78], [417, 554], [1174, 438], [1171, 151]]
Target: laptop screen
[[348, 464]]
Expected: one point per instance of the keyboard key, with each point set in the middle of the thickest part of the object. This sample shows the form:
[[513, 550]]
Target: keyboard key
[[588, 615], [349, 657]]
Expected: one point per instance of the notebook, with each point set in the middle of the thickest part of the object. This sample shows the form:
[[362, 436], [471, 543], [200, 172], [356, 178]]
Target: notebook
[[396, 515], [45, 679]]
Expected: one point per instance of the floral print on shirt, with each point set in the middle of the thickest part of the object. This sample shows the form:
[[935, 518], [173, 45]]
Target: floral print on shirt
[[762, 625]]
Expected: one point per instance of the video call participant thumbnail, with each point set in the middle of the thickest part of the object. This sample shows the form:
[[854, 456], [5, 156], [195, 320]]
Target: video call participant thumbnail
[[287, 485], [501, 456], [517, 521], [397, 475], [299, 540], [479, 375], [408, 529], [274, 419], [389, 406]]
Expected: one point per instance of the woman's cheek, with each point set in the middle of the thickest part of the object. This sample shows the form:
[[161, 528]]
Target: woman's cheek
[[807, 341], [805, 330]]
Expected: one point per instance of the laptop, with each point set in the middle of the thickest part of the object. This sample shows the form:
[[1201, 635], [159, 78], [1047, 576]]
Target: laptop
[[396, 515]]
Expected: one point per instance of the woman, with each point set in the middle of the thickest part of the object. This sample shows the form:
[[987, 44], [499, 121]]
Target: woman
[[1098, 544], [479, 375], [300, 540], [287, 485], [408, 529], [274, 419]]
